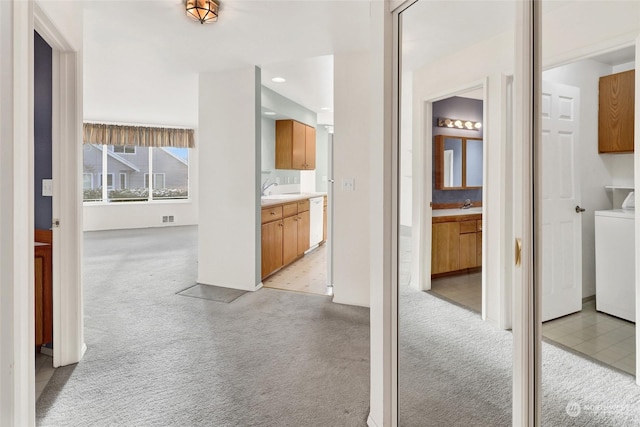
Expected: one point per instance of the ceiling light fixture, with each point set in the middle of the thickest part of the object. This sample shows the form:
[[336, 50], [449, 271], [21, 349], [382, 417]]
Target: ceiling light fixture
[[278, 80], [460, 124], [202, 10], [269, 113]]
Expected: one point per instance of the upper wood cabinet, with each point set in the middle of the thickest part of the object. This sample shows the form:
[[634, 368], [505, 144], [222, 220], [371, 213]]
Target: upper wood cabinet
[[295, 145], [616, 113]]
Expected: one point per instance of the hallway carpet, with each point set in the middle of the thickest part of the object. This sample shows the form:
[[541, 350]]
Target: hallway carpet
[[456, 370], [154, 358]]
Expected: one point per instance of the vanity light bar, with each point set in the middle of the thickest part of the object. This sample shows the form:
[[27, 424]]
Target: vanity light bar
[[459, 124]]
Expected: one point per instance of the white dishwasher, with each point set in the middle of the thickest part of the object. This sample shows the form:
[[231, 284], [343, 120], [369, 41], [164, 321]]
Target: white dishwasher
[[615, 263], [315, 220]]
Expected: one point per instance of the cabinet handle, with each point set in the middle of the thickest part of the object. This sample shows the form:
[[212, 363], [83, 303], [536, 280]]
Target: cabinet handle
[[272, 213], [279, 224]]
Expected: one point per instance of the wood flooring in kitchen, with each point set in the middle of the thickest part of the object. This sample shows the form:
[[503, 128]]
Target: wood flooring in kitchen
[[308, 274]]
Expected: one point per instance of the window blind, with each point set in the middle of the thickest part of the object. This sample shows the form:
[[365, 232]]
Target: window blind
[[141, 136]]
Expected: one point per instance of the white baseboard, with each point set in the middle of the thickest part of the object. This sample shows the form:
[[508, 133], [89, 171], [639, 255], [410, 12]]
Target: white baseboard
[[371, 422]]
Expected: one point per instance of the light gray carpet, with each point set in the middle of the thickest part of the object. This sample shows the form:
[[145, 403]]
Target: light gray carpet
[[154, 358], [212, 293], [456, 370]]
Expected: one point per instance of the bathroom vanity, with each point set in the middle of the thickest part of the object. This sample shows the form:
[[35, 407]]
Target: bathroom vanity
[[456, 241]]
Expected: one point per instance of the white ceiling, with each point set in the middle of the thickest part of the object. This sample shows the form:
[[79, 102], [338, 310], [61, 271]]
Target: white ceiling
[[138, 40]]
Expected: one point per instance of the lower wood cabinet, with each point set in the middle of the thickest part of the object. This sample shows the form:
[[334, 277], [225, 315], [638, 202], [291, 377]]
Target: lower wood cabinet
[[456, 244], [272, 237], [285, 234]]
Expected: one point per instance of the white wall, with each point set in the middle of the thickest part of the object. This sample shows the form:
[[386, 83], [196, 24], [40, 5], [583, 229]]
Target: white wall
[[229, 216], [351, 150], [595, 170], [322, 158], [406, 149]]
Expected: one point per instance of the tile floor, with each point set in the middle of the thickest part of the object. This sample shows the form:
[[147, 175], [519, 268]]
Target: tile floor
[[597, 335], [44, 372], [308, 274], [464, 290]]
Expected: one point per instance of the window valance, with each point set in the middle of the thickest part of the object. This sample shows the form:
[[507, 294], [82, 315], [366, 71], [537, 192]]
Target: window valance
[[141, 136]]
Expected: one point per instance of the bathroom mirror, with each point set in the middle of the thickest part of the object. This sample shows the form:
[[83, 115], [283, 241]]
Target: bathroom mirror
[[458, 161]]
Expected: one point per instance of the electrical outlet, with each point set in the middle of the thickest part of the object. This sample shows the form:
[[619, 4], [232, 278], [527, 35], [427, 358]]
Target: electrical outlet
[[348, 184]]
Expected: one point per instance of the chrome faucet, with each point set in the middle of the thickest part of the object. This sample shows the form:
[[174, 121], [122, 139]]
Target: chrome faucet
[[467, 204], [266, 186]]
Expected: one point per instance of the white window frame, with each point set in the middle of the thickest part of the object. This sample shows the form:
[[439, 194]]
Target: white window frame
[[106, 188], [105, 183], [124, 149], [122, 175]]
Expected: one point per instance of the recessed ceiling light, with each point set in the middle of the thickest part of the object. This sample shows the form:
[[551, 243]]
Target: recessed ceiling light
[[327, 109], [269, 113], [278, 80]]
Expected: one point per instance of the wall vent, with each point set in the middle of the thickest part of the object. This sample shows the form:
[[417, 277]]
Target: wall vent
[[167, 218]]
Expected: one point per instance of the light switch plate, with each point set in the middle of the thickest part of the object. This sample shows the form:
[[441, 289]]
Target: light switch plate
[[348, 184], [47, 187]]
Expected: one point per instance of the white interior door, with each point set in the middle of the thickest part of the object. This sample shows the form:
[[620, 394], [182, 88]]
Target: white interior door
[[560, 271]]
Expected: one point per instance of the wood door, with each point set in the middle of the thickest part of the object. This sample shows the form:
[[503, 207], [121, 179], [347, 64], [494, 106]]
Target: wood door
[[290, 239], [298, 158], [310, 147], [616, 109], [271, 247], [445, 253], [560, 251], [304, 226], [468, 250]]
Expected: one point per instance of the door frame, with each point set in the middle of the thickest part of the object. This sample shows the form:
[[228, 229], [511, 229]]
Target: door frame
[[423, 168], [68, 324]]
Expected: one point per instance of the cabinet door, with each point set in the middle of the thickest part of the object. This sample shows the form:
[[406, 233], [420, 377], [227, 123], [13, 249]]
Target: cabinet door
[[616, 113], [445, 252], [271, 247], [303, 232], [290, 239], [299, 146], [468, 250], [310, 147]]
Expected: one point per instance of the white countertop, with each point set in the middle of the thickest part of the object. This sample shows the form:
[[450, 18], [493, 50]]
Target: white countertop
[[456, 212], [275, 199]]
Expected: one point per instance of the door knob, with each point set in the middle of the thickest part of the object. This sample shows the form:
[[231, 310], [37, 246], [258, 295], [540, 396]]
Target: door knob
[[579, 209]]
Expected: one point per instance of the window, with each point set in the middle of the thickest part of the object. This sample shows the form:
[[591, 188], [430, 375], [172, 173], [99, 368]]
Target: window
[[158, 180], [124, 149], [126, 178], [109, 180], [87, 181]]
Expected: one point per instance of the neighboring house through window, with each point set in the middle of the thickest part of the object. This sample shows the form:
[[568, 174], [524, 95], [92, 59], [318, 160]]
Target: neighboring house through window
[[87, 181], [124, 149]]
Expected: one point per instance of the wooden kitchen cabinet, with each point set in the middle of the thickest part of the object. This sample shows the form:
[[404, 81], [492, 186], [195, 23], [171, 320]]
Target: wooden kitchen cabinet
[[456, 244], [285, 234], [272, 237], [295, 145], [324, 220], [290, 240], [616, 109]]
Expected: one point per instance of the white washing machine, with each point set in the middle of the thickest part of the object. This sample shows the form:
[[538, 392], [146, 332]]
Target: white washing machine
[[615, 263]]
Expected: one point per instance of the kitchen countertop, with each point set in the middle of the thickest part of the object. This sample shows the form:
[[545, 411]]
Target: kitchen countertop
[[279, 199], [456, 212]]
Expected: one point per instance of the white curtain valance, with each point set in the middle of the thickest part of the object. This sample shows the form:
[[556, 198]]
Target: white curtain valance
[[141, 136]]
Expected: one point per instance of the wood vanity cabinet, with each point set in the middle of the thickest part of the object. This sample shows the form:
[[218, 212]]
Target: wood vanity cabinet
[[295, 145], [456, 244], [285, 234], [616, 113]]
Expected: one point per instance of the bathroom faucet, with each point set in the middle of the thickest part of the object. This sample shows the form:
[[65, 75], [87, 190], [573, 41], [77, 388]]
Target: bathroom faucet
[[467, 204], [266, 186]]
